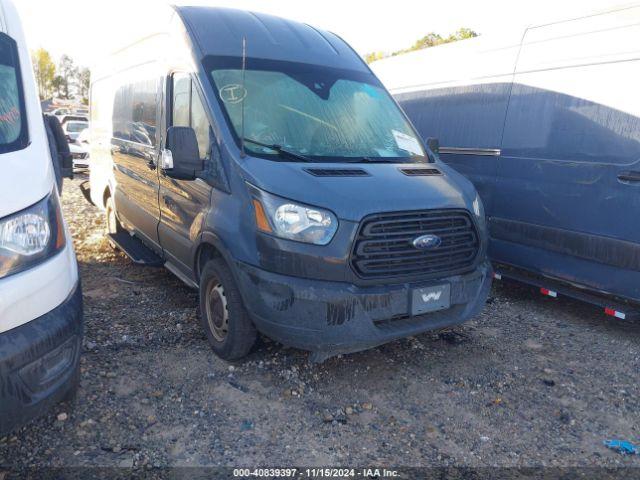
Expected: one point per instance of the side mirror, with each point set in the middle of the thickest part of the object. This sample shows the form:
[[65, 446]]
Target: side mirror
[[181, 159], [434, 145]]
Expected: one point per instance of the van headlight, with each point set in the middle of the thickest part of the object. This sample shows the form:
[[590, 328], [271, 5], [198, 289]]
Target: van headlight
[[31, 236], [291, 220]]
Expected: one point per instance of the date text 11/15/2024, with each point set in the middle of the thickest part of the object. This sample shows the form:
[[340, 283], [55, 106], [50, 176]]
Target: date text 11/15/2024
[[368, 473]]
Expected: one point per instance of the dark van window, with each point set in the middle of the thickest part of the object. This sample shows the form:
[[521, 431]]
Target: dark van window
[[13, 128], [181, 100], [135, 112], [188, 111]]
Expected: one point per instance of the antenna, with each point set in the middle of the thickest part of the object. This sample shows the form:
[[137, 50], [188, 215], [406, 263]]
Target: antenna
[[244, 68]]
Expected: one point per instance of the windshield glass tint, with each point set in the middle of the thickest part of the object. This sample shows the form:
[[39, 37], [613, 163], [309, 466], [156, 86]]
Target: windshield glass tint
[[11, 112], [319, 112]]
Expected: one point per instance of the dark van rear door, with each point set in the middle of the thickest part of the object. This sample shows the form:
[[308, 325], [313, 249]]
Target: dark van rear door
[[567, 194]]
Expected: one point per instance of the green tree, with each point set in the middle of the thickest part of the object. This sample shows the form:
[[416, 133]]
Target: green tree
[[84, 82], [461, 34], [45, 71], [430, 40], [56, 85], [373, 56], [69, 75]]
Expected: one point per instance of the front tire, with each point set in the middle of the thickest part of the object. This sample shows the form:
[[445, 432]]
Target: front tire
[[227, 324]]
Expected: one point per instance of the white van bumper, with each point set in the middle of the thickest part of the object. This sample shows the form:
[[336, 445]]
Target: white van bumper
[[30, 294], [41, 314]]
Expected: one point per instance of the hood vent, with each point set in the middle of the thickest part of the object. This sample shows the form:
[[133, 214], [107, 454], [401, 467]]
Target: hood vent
[[337, 172], [420, 172]]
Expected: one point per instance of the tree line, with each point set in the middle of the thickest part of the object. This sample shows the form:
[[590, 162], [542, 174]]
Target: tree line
[[66, 80], [429, 40]]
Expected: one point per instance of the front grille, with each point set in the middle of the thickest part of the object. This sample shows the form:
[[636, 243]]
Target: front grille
[[79, 156], [384, 248]]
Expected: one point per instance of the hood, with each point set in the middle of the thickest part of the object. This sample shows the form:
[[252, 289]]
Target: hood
[[26, 178], [385, 188]]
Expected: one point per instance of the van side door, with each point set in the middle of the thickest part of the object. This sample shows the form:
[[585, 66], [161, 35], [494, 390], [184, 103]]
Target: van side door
[[135, 150], [568, 186], [184, 203]]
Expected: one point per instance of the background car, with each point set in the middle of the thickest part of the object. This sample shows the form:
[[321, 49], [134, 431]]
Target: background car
[[73, 128], [80, 155]]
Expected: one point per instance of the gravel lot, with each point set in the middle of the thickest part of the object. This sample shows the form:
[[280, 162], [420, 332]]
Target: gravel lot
[[531, 382]]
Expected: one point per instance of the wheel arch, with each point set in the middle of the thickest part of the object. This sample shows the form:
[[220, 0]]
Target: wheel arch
[[210, 246]]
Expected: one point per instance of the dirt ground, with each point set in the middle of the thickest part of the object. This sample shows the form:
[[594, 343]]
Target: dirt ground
[[532, 381]]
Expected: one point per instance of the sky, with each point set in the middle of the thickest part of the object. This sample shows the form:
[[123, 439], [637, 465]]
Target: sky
[[90, 29]]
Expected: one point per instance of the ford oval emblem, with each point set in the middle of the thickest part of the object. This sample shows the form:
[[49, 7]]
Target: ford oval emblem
[[427, 242]]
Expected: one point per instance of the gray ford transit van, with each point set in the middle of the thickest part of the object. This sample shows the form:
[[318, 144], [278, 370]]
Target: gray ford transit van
[[263, 163]]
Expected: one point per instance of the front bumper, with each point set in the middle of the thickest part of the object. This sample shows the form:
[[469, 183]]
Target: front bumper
[[329, 318], [39, 362]]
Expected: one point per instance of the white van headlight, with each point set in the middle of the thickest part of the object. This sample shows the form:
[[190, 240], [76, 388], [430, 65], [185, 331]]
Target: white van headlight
[[31, 236], [293, 221]]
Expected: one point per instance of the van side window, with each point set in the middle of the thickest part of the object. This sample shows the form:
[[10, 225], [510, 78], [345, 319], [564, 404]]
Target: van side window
[[181, 100], [135, 112], [188, 111], [200, 123]]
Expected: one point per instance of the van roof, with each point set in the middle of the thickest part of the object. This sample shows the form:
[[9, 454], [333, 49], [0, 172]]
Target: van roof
[[219, 31]]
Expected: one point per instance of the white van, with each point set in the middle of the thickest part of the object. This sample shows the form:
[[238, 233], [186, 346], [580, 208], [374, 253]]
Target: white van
[[40, 296]]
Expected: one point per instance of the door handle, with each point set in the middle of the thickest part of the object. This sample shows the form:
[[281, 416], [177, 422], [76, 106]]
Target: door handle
[[631, 176]]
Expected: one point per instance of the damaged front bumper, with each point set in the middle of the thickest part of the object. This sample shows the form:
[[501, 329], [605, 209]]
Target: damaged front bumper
[[40, 362], [329, 318]]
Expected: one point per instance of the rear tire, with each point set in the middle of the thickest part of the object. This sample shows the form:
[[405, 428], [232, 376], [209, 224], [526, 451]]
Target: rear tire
[[113, 224], [227, 324]]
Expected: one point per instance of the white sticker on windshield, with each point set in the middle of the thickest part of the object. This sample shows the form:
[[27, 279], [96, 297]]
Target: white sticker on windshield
[[407, 142], [233, 93]]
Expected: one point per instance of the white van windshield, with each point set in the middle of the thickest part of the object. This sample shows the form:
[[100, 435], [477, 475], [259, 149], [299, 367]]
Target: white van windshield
[[12, 122], [322, 113]]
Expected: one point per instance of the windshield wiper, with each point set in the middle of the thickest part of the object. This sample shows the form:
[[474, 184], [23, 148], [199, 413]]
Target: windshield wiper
[[283, 152]]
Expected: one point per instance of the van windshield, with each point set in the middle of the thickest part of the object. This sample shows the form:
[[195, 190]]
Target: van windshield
[[322, 113], [12, 121]]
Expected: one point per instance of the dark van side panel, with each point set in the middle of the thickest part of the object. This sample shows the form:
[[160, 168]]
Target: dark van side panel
[[561, 186], [563, 194], [471, 143], [134, 149]]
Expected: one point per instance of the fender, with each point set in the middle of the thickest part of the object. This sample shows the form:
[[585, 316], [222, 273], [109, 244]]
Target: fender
[[210, 238]]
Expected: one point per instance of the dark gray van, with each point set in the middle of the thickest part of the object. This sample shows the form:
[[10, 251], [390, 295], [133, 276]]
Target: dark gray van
[[262, 162], [546, 124]]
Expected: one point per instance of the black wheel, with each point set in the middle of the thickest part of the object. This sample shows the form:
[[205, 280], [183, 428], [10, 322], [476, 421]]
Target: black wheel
[[229, 329], [113, 224]]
